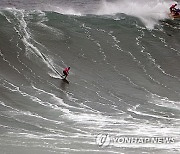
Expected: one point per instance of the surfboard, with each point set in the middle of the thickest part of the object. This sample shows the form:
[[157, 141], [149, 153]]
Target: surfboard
[[63, 79], [66, 81], [59, 76], [174, 16]]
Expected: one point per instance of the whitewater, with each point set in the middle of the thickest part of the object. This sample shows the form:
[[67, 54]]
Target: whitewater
[[123, 94]]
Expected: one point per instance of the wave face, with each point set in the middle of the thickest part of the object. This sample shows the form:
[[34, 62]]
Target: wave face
[[124, 78]]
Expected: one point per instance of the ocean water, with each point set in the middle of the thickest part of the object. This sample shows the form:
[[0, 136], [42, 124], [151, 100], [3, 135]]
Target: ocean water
[[124, 81]]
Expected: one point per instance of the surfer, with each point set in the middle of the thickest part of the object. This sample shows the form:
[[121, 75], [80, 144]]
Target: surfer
[[173, 9], [66, 72]]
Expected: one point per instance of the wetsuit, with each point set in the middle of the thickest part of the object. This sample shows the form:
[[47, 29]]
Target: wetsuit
[[66, 71], [172, 8]]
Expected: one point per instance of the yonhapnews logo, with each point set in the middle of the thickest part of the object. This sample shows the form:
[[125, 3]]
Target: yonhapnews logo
[[104, 140]]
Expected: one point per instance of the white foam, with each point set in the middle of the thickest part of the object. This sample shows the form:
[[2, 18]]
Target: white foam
[[164, 102], [31, 45], [54, 76], [150, 12], [53, 96]]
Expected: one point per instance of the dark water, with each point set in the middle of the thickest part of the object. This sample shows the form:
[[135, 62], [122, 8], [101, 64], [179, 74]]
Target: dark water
[[124, 78]]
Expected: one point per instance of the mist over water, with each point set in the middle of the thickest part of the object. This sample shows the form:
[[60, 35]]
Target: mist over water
[[124, 79], [150, 12]]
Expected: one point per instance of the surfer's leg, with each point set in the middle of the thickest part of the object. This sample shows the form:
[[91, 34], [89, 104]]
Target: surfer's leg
[[64, 73], [65, 76]]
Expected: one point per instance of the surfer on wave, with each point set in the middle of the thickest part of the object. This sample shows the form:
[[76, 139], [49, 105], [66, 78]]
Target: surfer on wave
[[66, 72], [173, 9]]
